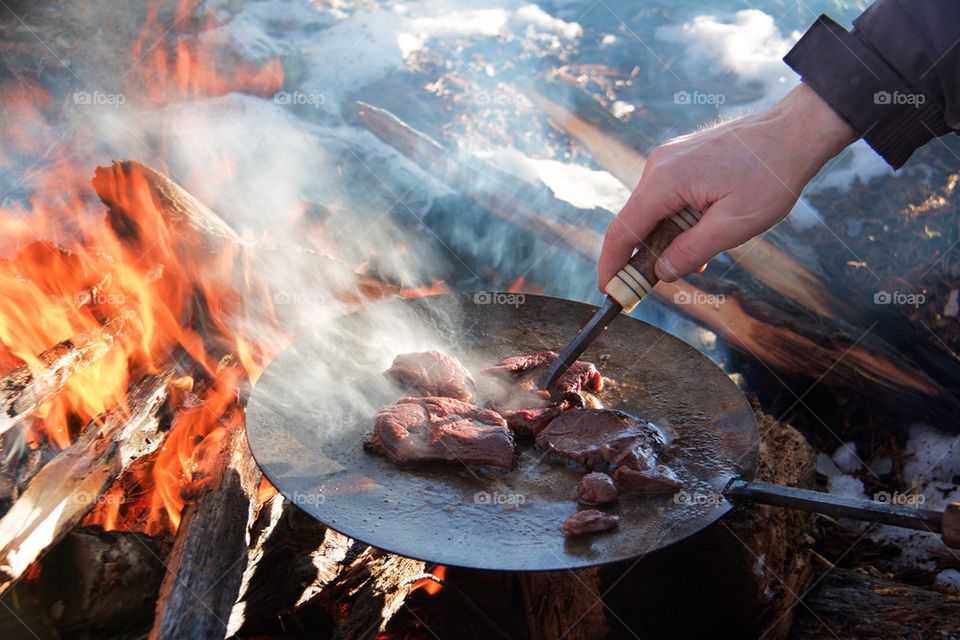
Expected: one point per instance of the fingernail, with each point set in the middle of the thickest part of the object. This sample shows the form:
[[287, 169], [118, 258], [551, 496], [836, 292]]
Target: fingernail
[[665, 269]]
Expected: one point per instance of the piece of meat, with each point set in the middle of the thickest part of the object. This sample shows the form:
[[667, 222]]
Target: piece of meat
[[442, 429], [530, 373], [660, 479], [596, 488], [529, 422], [601, 439], [432, 373], [589, 521]]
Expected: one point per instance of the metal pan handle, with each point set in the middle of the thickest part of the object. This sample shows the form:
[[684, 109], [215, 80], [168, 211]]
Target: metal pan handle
[[946, 523]]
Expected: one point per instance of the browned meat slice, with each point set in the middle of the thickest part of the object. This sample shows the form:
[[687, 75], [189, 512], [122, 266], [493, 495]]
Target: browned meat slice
[[431, 373], [531, 421], [589, 521], [601, 439], [441, 429], [596, 488], [660, 479], [530, 372]]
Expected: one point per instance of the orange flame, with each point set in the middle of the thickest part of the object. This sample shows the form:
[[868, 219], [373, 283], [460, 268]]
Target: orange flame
[[68, 269], [431, 586]]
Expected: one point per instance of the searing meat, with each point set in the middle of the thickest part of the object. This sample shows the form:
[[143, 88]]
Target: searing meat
[[596, 488], [530, 372], [660, 479], [529, 422], [589, 521], [601, 439], [441, 429], [432, 373]]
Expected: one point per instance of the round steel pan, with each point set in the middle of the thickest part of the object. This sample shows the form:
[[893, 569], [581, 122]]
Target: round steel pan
[[314, 406]]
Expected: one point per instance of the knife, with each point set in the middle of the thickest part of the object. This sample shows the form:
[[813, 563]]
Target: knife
[[626, 289]]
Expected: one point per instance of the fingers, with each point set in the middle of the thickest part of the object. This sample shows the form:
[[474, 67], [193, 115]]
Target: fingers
[[650, 203], [692, 249]]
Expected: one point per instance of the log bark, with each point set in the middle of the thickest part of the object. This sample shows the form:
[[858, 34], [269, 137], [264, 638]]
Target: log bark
[[25, 388], [206, 564], [71, 484], [292, 557], [852, 605], [741, 577], [564, 605]]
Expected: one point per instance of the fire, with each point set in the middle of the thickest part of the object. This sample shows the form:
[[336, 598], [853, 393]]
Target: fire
[[67, 271], [432, 587], [191, 67], [434, 289], [521, 285]]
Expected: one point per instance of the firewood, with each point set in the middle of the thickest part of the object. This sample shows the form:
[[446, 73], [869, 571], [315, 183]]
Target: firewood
[[205, 566], [739, 578], [292, 557], [96, 583], [564, 604], [506, 197], [849, 605], [375, 585], [72, 483], [25, 388]]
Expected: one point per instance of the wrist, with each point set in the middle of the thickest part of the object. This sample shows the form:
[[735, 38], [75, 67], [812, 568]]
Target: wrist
[[810, 121]]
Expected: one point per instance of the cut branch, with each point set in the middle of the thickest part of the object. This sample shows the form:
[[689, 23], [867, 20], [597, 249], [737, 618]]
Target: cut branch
[[205, 566], [25, 388], [71, 484]]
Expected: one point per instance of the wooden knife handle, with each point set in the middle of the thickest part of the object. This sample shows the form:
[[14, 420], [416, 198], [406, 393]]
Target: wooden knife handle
[[638, 278]]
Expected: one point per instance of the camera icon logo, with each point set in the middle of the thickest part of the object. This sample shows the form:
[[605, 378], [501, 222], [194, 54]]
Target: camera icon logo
[[681, 97], [81, 97], [682, 297], [882, 297], [482, 297], [881, 97], [282, 97]]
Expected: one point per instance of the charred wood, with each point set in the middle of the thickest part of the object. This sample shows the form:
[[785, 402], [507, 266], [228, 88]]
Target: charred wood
[[27, 387], [72, 483]]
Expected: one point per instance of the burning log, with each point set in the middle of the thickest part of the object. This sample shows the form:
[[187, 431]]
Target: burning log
[[205, 566], [24, 389], [100, 583], [71, 484], [376, 584], [504, 196], [291, 559]]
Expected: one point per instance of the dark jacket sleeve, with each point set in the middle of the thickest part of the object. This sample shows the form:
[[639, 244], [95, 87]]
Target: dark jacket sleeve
[[895, 78]]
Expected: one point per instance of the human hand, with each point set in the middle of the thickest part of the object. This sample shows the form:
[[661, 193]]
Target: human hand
[[744, 176]]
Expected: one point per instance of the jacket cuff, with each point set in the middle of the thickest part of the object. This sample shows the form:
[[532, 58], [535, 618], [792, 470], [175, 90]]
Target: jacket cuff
[[850, 76]]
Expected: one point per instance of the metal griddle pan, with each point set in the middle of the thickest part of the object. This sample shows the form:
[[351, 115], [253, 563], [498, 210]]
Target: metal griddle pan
[[314, 406]]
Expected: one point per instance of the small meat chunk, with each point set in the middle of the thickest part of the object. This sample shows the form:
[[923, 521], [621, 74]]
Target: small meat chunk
[[432, 373], [598, 439], [596, 488], [530, 373], [660, 479], [438, 429], [589, 521]]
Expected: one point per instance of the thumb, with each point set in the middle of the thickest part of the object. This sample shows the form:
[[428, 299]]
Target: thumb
[[716, 232]]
